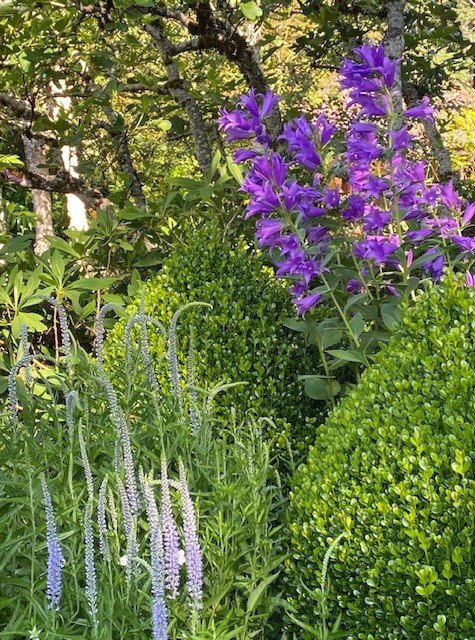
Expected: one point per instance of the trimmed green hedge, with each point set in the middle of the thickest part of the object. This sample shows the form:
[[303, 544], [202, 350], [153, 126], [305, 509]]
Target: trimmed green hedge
[[394, 466], [241, 339]]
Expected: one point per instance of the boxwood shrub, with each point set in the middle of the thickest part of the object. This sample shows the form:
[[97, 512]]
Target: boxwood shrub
[[241, 338], [394, 466]]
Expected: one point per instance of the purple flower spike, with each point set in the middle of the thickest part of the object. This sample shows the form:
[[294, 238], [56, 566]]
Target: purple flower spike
[[159, 609], [170, 537], [194, 559], [55, 553]]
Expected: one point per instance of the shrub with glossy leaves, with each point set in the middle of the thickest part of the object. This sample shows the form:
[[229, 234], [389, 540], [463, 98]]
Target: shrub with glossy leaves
[[394, 466], [241, 338]]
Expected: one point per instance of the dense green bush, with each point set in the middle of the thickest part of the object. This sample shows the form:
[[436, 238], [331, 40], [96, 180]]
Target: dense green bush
[[394, 467], [241, 338]]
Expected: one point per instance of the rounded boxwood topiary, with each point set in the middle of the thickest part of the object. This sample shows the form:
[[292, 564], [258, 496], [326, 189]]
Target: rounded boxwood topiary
[[394, 466], [241, 338]]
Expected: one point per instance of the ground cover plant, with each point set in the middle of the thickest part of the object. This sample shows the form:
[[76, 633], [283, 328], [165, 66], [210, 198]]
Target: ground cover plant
[[393, 469], [125, 516]]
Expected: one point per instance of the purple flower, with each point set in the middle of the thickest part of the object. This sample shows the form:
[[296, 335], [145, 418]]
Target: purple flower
[[325, 129], [376, 248], [375, 186], [466, 244], [292, 265], [159, 610], [331, 197], [354, 208], [468, 214], [299, 136], [305, 304], [354, 286], [290, 245], [194, 560], [434, 265], [318, 235], [444, 226], [376, 219], [55, 553], [469, 279], [401, 139], [268, 232], [246, 121], [241, 155], [449, 196], [418, 235], [170, 536], [298, 289], [422, 110]]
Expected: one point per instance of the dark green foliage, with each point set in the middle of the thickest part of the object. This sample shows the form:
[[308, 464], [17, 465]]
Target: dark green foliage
[[241, 339], [394, 466]]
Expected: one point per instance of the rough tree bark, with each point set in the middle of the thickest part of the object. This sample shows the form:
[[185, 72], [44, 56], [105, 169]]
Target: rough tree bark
[[34, 159], [440, 152], [182, 97], [394, 46], [124, 159], [393, 42]]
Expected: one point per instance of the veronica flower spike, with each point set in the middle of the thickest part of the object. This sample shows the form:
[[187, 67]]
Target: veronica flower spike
[[55, 553]]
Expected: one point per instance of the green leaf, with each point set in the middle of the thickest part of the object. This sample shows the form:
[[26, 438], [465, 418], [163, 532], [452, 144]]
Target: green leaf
[[62, 245], [357, 324], [390, 314], [32, 320], [348, 355], [150, 260], [295, 324], [17, 244], [251, 10], [133, 213], [92, 284], [320, 387], [256, 593], [352, 300], [235, 170]]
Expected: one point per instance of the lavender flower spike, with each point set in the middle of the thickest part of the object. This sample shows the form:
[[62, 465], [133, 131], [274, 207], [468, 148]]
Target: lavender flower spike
[[170, 537], [194, 559], [159, 609], [90, 567], [55, 554]]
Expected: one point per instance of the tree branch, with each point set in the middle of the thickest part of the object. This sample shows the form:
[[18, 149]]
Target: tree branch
[[63, 182], [184, 99]]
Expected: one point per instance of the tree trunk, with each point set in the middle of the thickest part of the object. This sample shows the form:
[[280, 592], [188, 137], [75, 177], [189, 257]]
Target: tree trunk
[[439, 150], [181, 96], [35, 160], [393, 42], [76, 209]]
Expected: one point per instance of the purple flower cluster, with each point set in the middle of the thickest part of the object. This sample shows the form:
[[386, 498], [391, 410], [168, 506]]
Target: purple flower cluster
[[194, 559], [390, 214], [170, 536], [55, 553], [159, 608]]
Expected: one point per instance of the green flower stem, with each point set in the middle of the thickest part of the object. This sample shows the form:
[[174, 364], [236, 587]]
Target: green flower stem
[[341, 312]]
